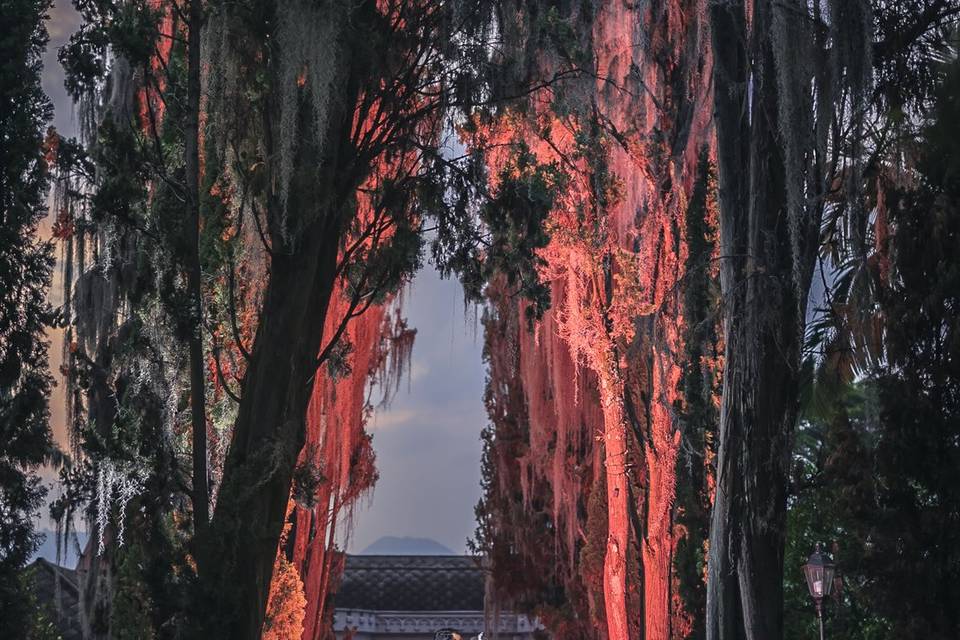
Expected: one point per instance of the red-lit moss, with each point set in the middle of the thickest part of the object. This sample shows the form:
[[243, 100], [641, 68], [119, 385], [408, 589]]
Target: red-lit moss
[[600, 372]]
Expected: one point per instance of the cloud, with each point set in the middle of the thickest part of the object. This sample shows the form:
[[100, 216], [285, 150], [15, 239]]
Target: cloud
[[419, 370], [386, 419]]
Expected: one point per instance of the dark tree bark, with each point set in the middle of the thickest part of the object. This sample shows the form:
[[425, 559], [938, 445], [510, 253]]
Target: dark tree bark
[[236, 564], [764, 306], [731, 118], [198, 413], [269, 433]]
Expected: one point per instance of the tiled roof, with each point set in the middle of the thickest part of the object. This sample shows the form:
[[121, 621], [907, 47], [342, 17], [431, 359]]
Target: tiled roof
[[411, 583]]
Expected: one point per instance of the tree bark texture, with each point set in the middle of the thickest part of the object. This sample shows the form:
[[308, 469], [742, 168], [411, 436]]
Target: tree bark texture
[[618, 497], [763, 326], [236, 564], [268, 434], [198, 413]]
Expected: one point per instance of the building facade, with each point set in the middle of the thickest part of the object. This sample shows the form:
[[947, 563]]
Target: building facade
[[420, 597]]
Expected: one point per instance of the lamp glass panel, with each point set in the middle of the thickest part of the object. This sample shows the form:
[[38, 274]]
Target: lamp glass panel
[[828, 572], [815, 579]]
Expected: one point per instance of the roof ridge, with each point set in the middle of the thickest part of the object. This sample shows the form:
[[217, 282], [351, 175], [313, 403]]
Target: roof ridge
[[65, 573]]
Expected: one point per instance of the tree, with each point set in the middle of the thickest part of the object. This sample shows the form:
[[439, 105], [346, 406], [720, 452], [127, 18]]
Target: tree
[[312, 163], [882, 469], [26, 264], [917, 459], [813, 111], [320, 137], [129, 212], [192, 259], [778, 95], [594, 426]]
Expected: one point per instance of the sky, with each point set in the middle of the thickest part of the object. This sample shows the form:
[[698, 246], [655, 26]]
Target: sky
[[428, 440], [63, 21]]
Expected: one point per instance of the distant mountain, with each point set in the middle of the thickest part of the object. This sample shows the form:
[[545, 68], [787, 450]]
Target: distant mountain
[[397, 546]]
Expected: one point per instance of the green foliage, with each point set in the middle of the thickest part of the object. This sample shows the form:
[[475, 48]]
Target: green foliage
[[25, 271], [910, 35], [126, 28], [378, 270], [122, 174], [480, 235], [338, 361], [39, 616], [877, 463], [559, 34], [308, 478], [151, 574], [918, 452], [130, 615]]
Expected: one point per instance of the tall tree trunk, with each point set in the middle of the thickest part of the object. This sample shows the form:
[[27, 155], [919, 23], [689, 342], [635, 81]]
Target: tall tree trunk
[[618, 496], [763, 328], [660, 454], [306, 233], [268, 435], [270, 429], [201, 495], [731, 116]]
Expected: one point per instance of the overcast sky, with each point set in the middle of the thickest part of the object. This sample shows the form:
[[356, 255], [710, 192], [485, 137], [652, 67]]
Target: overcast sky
[[428, 441]]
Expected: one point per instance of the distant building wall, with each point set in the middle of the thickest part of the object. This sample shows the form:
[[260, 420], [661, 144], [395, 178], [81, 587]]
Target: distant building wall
[[417, 625]]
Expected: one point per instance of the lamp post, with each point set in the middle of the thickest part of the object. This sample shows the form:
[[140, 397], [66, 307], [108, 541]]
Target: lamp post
[[819, 572]]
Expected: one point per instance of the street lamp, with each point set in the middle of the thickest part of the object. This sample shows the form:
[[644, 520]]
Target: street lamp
[[819, 572]]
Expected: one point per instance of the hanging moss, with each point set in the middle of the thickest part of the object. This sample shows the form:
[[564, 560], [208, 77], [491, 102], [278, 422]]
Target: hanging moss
[[700, 391]]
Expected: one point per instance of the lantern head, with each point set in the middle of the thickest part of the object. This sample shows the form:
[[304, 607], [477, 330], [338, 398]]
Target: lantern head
[[819, 572]]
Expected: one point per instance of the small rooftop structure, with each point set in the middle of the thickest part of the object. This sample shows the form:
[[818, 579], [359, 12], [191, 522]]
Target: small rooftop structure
[[419, 597]]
